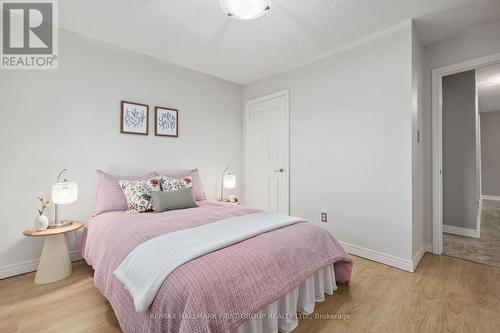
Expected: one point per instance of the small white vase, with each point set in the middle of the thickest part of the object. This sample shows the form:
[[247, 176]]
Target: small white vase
[[41, 223]]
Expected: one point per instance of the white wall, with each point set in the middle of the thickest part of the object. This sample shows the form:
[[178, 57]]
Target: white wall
[[418, 145], [472, 44], [350, 139], [70, 118], [490, 153]]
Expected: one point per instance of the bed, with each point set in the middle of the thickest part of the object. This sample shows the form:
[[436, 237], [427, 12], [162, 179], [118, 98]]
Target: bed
[[256, 285]]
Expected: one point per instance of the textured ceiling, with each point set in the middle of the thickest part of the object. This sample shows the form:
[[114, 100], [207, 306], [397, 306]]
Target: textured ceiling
[[488, 86], [447, 23], [196, 33]]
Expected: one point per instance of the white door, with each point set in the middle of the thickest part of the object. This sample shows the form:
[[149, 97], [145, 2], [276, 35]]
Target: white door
[[267, 153]]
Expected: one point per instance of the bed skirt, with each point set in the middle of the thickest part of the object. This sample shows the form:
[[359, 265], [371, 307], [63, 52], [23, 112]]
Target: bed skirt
[[281, 316]]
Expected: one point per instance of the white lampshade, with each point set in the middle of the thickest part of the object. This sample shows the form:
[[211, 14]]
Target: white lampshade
[[229, 181], [245, 9], [64, 193]]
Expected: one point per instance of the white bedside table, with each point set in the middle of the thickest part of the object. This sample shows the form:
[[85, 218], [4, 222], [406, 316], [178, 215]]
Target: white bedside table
[[54, 263]]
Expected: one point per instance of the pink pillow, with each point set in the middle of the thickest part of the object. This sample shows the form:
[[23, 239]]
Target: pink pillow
[[109, 195], [198, 192]]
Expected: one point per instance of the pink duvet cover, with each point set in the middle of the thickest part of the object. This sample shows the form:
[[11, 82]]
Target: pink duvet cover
[[218, 291]]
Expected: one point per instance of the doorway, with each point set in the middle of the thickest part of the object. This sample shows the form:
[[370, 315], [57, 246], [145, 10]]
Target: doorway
[[267, 152], [466, 160]]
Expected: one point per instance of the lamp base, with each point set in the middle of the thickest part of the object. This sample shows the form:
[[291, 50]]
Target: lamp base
[[61, 224]]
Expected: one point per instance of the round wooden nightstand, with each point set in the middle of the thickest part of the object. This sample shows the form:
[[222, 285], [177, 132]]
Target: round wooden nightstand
[[54, 264]]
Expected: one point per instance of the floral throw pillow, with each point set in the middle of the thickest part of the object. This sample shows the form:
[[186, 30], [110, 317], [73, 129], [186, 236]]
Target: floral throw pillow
[[138, 193], [169, 184]]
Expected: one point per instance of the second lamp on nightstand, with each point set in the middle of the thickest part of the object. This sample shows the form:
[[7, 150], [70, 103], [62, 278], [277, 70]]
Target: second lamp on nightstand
[[228, 181]]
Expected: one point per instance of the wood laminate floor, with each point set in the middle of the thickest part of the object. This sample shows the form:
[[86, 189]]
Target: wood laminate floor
[[444, 295]]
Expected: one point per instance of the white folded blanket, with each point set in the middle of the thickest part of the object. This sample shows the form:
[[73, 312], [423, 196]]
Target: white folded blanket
[[144, 271]]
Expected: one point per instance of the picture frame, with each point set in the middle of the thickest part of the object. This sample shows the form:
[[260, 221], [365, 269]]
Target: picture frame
[[134, 118], [166, 122]]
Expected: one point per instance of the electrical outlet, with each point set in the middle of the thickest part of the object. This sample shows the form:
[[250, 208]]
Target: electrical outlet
[[324, 217]]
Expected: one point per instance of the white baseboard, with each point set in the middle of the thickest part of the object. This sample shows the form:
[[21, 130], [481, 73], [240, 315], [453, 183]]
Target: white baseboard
[[28, 266], [450, 229], [490, 197], [377, 256], [387, 259], [427, 247]]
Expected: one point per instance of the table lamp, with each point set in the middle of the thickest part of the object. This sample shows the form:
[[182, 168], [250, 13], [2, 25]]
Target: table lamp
[[228, 181], [63, 192]]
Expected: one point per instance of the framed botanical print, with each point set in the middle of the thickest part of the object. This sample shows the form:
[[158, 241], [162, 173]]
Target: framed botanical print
[[166, 121], [134, 118]]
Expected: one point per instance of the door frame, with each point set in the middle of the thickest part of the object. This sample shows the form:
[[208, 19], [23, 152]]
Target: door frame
[[282, 93], [437, 143]]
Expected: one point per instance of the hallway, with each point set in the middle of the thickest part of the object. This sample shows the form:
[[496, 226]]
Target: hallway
[[484, 250]]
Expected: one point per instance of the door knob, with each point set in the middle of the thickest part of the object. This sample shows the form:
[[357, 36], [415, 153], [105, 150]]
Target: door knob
[[279, 170]]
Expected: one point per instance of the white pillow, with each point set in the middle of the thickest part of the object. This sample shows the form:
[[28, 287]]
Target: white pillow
[[138, 193], [170, 184]]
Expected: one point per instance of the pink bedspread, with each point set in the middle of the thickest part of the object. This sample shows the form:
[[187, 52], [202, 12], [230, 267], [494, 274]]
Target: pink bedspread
[[218, 291]]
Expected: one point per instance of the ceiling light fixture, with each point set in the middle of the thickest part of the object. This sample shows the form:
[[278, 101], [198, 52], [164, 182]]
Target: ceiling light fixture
[[245, 9]]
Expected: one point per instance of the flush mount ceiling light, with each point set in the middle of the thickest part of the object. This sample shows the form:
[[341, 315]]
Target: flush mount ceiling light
[[245, 9]]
